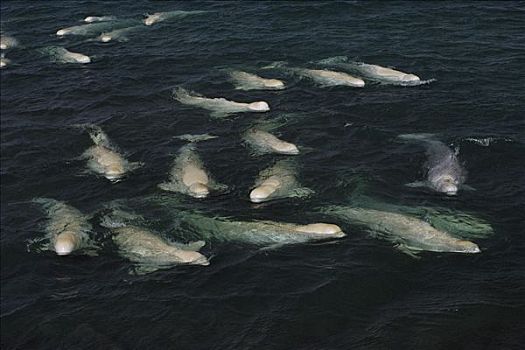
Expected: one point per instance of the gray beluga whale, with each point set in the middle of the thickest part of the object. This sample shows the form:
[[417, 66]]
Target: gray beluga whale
[[118, 34], [264, 142], [163, 16], [96, 27], [248, 81], [67, 228], [188, 175], [61, 55], [90, 19], [278, 181], [104, 159], [444, 172], [148, 250], [7, 42], [220, 107], [375, 72], [410, 233]]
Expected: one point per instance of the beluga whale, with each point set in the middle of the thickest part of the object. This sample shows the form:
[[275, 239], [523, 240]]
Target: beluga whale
[[248, 81], [278, 181], [188, 175], [68, 230], [262, 142], [219, 107], [7, 42], [163, 16], [95, 28], [90, 19], [4, 62], [444, 172], [103, 157], [375, 72], [148, 250], [408, 232], [61, 55]]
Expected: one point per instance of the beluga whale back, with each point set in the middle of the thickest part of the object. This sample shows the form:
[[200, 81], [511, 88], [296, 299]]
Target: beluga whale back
[[220, 107]]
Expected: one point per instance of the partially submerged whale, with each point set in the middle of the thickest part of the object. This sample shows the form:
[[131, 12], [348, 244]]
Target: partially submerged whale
[[248, 81], [264, 142], [410, 233], [220, 107], [256, 232], [4, 62], [188, 175], [375, 72], [90, 19], [150, 252], [96, 27], [444, 172], [104, 159], [62, 55], [278, 181], [118, 34], [67, 229], [163, 16], [7, 42], [329, 78]]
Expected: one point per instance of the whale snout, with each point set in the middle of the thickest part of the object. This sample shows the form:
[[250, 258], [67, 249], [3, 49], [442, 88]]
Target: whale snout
[[199, 190], [410, 78], [105, 38], [65, 243], [84, 59], [469, 247], [261, 193], [89, 19], [322, 229], [62, 32], [287, 148], [259, 106], [274, 84]]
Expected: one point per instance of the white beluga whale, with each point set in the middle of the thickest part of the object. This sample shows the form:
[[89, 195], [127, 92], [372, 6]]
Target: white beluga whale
[[148, 250], [163, 16], [264, 142], [104, 159], [444, 172], [375, 72], [118, 34], [7, 42], [96, 27], [220, 107], [67, 228], [188, 175], [61, 55], [278, 181], [257, 232], [248, 81], [410, 233], [90, 19], [330, 78]]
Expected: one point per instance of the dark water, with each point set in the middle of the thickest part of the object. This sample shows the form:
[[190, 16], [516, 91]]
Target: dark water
[[359, 292]]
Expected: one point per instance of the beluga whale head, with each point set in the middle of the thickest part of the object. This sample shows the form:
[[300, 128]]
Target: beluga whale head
[[448, 185], [322, 229], [259, 106], [199, 190], [65, 243], [410, 78], [274, 84], [105, 38]]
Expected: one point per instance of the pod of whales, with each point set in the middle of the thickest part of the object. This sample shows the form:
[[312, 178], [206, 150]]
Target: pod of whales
[[104, 159], [444, 172], [67, 228], [220, 107]]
